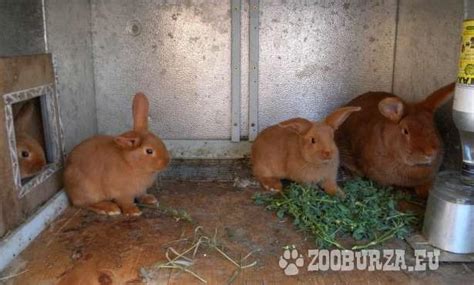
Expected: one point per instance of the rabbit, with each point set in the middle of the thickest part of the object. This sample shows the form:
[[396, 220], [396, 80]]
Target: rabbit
[[106, 173], [394, 142], [29, 144], [299, 150]]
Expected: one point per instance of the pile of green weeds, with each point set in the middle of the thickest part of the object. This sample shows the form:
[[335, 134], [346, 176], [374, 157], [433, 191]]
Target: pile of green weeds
[[368, 213]]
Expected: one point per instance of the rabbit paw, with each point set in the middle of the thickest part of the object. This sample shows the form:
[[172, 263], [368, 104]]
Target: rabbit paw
[[331, 188], [271, 184], [271, 189], [105, 208], [131, 211], [148, 199], [340, 193]]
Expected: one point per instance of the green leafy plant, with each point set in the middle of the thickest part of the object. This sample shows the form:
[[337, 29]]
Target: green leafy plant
[[368, 213]]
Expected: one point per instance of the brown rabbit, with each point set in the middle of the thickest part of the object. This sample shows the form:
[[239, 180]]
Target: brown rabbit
[[30, 151], [394, 142], [106, 173], [299, 150]]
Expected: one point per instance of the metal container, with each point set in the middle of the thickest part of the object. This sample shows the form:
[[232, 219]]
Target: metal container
[[449, 222], [449, 217]]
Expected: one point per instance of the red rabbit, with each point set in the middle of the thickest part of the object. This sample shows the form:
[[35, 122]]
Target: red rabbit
[[300, 150], [28, 135], [106, 173], [394, 142]]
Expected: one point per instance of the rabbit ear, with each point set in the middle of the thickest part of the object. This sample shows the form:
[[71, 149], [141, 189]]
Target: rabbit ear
[[128, 140], [24, 116], [297, 125], [336, 118], [140, 112], [392, 108], [438, 98]]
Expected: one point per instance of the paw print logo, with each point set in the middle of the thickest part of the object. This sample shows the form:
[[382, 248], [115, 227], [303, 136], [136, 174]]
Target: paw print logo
[[290, 261]]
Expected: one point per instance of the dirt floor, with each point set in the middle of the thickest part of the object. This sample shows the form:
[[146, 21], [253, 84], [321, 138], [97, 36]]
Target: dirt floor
[[83, 248]]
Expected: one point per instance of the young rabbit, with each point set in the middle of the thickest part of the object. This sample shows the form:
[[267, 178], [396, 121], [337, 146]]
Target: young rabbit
[[299, 150], [394, 142], [30, 151], [106, 173]]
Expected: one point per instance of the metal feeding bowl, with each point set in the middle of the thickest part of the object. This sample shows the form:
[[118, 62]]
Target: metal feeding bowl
[[449, 216]]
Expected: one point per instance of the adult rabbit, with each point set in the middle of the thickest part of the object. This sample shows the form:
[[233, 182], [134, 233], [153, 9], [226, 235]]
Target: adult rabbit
[[394, 142]]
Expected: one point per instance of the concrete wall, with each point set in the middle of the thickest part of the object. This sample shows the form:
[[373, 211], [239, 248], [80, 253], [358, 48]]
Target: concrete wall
[[68, 25]]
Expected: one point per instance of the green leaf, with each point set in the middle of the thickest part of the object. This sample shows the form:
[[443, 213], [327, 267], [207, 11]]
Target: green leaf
[[280, 213]]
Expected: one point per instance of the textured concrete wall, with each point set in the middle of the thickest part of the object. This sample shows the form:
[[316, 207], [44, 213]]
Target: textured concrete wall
[[177, 52], [69, 40], [317, 55], [427, 46]]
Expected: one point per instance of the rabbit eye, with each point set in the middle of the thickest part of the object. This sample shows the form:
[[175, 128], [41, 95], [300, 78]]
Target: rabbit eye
[[313, 140], [25, 154], [149, 151], [405, 131]]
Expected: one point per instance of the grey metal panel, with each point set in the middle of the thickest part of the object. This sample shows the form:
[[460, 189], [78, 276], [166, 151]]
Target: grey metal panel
[[228, 170], [21, 23], [427, 57], [235, 66], [244, 67], [253, 68], [69, 40], [179, 56], [317, 55], [215, 149], [427, 50]]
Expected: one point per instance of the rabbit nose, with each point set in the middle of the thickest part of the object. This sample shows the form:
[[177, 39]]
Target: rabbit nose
[[429, 156], [430, 152], [326, 154]]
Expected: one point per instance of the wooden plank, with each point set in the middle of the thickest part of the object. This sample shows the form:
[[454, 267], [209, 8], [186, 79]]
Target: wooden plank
[[24, 72]]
